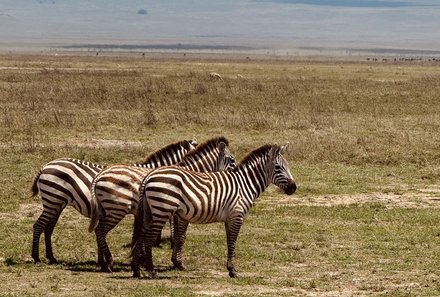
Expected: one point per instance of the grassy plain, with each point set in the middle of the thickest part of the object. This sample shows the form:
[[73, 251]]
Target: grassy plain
[[356, 130]]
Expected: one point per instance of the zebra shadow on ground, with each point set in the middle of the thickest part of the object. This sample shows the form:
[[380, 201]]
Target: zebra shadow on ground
[[118, 266], [84, 266], [91, 266], [144, 275]]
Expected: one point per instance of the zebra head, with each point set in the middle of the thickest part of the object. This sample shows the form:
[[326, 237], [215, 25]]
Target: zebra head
[[226, 160], [281, 175]]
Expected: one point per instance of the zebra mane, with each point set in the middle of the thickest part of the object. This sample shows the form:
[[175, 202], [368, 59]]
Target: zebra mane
[[255, 154], [172, 147], [202, 148], [84, 162]]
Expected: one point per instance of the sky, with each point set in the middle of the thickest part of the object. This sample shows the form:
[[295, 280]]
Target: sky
[[266, 23]]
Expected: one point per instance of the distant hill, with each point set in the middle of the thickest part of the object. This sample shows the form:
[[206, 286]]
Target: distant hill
[[355, 3], [285, 26]]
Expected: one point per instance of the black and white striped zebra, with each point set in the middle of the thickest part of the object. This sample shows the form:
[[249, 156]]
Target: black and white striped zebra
[[205, 198], [66, 182], [116, 190]]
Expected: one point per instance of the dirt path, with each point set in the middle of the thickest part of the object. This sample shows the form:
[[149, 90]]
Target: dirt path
[[423, 198], [412, 199]]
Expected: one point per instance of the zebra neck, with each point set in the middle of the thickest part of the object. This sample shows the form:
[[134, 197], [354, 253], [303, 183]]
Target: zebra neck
[[253, 180], [202, 162], [162, 159]]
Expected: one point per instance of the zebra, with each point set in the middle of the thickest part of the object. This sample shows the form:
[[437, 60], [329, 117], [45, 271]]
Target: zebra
[[205, 198], [116, 190], [67, 181]]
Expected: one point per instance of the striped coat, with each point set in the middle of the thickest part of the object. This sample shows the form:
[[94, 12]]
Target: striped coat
[[66, 182], [205, 198], [116, 190]]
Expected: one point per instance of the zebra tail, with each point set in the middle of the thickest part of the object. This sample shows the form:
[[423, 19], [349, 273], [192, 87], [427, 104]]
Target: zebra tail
[[35, 188], [139, 217], [96, 210]]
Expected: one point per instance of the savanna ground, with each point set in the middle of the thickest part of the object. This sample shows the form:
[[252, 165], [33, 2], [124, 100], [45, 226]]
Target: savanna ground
[[364, 150]]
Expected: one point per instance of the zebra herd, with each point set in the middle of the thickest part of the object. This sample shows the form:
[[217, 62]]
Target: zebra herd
[[182, 183]]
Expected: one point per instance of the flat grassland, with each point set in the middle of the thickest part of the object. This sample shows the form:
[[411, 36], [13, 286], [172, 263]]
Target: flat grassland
[[364, 150]]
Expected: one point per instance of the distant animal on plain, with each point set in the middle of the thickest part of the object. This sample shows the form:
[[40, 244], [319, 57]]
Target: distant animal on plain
[[215, 76]]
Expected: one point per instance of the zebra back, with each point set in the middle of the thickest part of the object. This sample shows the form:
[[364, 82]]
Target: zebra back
[[65, 181], [168, 155], [91, 168]]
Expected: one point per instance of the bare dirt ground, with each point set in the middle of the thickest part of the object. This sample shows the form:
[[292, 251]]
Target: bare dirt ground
[[350, 282], [422, 198]]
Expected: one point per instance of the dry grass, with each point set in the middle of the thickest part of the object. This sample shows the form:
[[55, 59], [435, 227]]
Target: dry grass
[[350, 113], [353, 128]]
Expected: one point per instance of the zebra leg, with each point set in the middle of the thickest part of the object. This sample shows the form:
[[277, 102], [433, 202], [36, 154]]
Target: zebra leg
[[45, 223], [48, 239], [137, 255], [172, 232], [100, 253], [179, 239], [105, 225], [39, 226], [151, 235], [232, 230], [143, 251], [105, 258], [148, 257], [158, 241]]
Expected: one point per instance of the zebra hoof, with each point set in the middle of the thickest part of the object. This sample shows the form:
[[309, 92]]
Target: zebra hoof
[[233, 273], [106, 268], [136, 274], [153, 274], [52, 261], [36, 260], [179, 266]]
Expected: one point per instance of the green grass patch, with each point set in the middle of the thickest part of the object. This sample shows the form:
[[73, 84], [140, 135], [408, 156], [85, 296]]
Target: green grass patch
[[355, 130]]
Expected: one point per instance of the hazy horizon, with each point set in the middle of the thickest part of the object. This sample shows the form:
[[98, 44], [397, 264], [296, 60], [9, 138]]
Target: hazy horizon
[[260, 23]]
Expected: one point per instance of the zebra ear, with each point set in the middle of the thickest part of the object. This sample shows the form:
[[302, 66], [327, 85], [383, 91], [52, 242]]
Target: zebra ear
[[222, 146], [189, 144], [283, 149], [273, 152]]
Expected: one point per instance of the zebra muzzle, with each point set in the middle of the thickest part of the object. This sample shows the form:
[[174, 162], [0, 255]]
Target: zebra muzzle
[[290, 189]]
